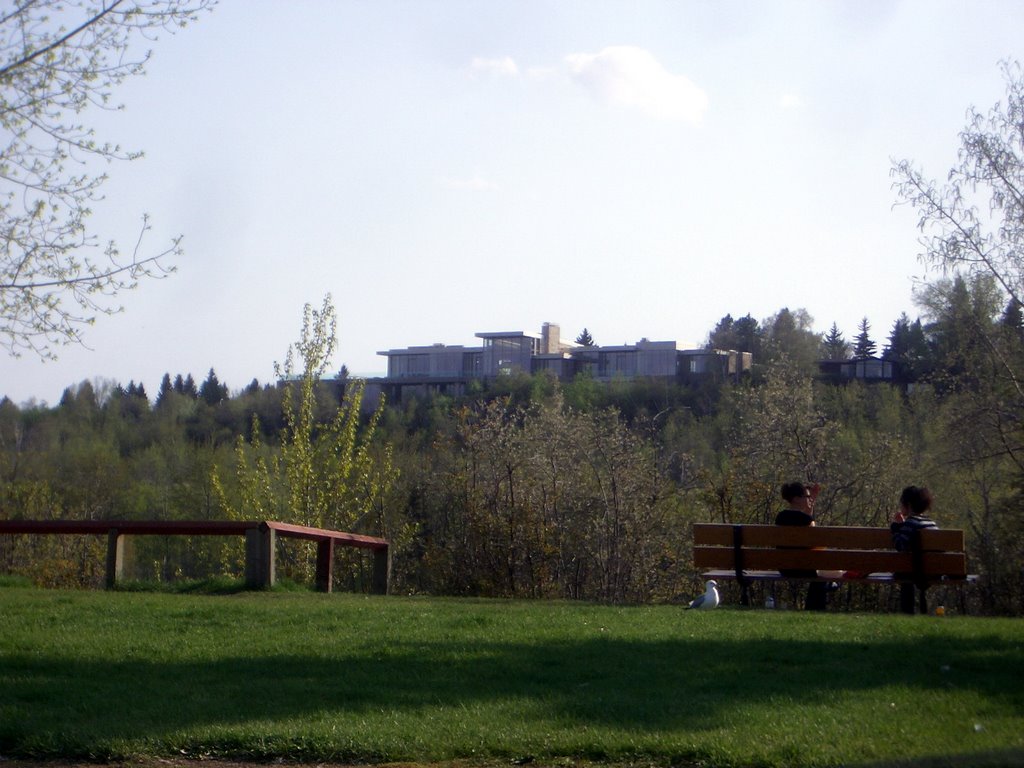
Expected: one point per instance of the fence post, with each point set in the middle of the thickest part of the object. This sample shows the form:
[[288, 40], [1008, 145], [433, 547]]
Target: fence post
[[259, 557], [115, 557], [324, 564], [381, 570]]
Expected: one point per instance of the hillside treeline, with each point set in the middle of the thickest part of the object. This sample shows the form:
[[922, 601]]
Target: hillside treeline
[[530, 487]]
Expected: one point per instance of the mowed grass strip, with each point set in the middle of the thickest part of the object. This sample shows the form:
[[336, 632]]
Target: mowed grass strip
[[334, 678]]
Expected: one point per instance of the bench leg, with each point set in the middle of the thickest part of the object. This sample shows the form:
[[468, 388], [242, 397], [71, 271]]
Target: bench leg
[[259, 558], [381, 571], [115, 558], [324, 564]]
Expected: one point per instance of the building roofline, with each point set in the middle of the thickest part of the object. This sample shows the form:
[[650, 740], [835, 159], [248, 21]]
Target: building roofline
[[506, 334], [431, 348]]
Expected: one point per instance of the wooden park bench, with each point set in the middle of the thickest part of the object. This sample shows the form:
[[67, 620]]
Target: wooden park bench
[[260, 537], [749, 553]]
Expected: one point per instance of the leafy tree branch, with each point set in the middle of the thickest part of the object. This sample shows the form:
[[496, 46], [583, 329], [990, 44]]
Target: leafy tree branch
[[58, 58]]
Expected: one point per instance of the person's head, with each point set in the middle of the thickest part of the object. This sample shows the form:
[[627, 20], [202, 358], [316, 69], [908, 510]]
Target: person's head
[[798, 495], [916, 500]]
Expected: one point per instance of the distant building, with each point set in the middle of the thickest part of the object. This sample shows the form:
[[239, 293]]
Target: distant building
[[447, 369], [868, 369]]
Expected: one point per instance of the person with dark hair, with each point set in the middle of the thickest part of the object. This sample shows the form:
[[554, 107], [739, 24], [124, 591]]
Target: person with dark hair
[[911, 517], [800, 511]]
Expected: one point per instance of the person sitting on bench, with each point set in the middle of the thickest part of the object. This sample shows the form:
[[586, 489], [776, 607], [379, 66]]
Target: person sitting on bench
[[800, 511], [911, 517]]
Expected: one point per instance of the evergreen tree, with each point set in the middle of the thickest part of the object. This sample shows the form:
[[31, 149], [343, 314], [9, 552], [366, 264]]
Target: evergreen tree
[[137, 391], [165, 389], [585, 339], [1011, 335], [834, 346], [129, 402], [748, 335], [723, 335], [188, 387], [896, 349], [964, 313], [863, 346], [212, 391], [742, 335], [908, 347], [1013, 320], [80, 401]]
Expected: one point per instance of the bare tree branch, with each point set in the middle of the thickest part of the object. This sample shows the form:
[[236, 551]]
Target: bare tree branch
[[58, 58]]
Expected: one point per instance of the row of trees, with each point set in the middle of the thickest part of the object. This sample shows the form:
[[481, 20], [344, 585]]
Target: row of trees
[[952, 308], [790, 334], [530, 487]]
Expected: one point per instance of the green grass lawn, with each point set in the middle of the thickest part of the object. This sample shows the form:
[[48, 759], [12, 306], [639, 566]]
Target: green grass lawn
[[310, 677]]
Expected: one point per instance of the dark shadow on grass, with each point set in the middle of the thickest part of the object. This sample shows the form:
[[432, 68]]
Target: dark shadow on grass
[[993, 758], [212, 586], [665, 685]]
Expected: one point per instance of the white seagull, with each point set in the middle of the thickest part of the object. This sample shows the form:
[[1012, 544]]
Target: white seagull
[[707, 601]]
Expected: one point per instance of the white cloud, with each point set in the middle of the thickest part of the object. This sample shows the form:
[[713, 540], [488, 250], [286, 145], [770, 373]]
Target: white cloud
[[472, 184], [503, 67], [627, 76]]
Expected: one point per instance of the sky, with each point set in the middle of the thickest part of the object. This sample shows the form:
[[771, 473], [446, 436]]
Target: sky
[[441, 168]]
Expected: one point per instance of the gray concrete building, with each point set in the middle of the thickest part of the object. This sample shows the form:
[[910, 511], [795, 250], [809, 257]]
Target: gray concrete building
[[447, 369]]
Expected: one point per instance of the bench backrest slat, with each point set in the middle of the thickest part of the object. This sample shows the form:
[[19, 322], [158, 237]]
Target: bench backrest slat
[[840, 537], [188, 528], [131, 527]]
